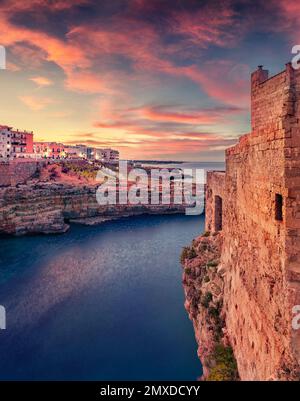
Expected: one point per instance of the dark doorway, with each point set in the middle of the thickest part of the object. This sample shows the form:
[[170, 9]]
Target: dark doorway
[[278, 207], [218, 213]]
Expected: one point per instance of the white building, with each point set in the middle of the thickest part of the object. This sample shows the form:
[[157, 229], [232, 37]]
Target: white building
[[76, 152], [106, 155], [5, 143]]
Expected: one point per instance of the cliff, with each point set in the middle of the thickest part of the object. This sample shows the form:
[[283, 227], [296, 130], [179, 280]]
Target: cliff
[[254, 207], [203, 282], [48, 207]]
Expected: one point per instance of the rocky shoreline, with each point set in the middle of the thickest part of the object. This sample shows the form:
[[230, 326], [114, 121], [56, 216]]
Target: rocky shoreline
[[49, 207]]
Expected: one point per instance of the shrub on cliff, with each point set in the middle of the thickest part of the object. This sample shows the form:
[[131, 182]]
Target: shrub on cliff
[[212, 263], [184, 254], [53, 173], [65, 169], [219, 373], [206, 299], [192, 253], [188, 270], [213, 312], [203, 247], [187, 253], [225, 368]]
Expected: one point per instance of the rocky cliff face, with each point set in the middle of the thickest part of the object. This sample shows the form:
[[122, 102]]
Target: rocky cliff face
[[254, 205], [217, 320], [47, 208], [203, 282]]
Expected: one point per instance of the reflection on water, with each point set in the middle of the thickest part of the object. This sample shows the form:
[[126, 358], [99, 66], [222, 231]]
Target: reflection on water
[[98, 303]]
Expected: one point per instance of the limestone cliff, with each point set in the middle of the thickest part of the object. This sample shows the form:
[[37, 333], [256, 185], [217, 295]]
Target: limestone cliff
[[255, 208], [48, 207], [204, 291]]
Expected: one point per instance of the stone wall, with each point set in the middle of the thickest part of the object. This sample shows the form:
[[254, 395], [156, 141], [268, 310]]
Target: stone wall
[[18, 171], [215, 188], [261, 253]]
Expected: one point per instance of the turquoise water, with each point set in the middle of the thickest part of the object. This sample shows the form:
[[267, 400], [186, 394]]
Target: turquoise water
[[98, 303]]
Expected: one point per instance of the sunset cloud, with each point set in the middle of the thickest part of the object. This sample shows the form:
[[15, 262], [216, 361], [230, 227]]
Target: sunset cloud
[[36, 103], [144, 75], [41, 81]]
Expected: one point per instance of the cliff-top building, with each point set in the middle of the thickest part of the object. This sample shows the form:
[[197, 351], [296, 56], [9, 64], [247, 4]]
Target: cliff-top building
[[54, 150], [5, 142], [16, 144], [256, 206]]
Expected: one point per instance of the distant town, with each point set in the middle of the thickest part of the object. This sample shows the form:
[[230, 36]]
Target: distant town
[[20, 144]]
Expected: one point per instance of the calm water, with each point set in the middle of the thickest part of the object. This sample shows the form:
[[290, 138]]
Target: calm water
[[98, 303]]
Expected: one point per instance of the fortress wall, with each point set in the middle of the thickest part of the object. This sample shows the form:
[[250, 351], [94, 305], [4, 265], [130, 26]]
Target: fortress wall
[[258, 249], [292, 207], [215, 187], [266, 101]]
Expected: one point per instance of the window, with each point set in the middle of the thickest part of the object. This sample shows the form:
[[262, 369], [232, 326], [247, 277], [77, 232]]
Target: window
[[218, 213], [278, 207]]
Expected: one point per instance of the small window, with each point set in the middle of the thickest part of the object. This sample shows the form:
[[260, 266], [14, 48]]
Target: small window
[[278, 207]]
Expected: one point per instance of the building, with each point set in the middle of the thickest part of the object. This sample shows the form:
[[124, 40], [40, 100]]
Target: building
[[21, 143], [5, 142], [106, 155], [76, 151], [15, 143], [89, 153], [255, 206], [49, 150], [111, 156]]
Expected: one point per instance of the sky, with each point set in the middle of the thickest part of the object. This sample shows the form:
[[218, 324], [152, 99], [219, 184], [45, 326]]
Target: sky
[[155, 79]]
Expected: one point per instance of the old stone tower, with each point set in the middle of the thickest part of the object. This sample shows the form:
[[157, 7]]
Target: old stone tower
[[256, 205]]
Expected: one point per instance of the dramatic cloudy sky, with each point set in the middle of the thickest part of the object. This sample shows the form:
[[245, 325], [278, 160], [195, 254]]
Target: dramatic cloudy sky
[[157, 79]]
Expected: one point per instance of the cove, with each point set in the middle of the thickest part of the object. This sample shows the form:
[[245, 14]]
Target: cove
[[99, 303]]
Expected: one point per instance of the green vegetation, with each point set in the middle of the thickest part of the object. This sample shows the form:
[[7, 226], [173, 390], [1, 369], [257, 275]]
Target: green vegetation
[[203, 247], [82, 169], [213, 312], [206, 299], [212, 263], [53, 173], [206, 234], [225, 368], [187, 253]]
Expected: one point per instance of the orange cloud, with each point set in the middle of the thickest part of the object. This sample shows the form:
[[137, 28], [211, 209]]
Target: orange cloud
[[36, 103], [41, 81], [195, 117], [87, 82]]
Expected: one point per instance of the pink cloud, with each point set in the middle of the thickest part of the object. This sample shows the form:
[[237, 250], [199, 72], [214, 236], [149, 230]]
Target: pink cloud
[[87, 82], [36, 103], [212, 24], [196, 117], [41, 81]]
